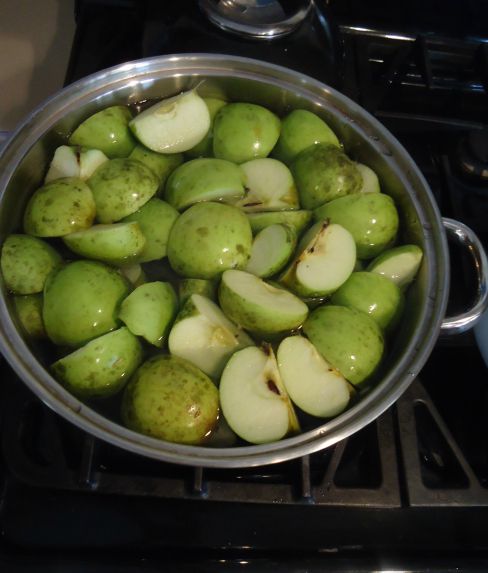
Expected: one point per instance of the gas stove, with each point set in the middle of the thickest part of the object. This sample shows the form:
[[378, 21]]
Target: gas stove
[[409, 491]]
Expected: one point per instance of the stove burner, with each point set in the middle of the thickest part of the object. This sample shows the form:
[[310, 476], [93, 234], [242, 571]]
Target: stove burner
[[473, 154], [260, 19]]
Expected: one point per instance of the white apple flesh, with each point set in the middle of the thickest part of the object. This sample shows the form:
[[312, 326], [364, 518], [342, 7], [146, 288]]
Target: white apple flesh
[[371, 183], [400, 264], [253, 398], [271, 250]]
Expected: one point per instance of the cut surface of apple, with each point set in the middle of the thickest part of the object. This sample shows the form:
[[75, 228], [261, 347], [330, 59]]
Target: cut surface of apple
[[297, 219], [205, 336], [399, 264], [271, 250], [326, 260], [258, 306], [311, 382], [174, 124], [65, 163], [371, 183], [270, 186], [116, 244], [253, 398]]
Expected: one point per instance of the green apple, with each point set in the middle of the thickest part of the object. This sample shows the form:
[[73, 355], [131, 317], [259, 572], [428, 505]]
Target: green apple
[[29, 313], [81, 302], [174, 124], [155, 218], [69, 161], [371, 183], [134, 274], [323, 172], [297, 219], [223, 436], [371, 218], [106, 130], [301, 129], [149, 311], [325, 260], [311, 382], [399, 264], [171, 399], [102, 367], [271, 250], [258, 306], [348, 339], [203, 335], [161, 164], [204, 179], [115, 244], [209, 238], [26, 262], [204, 287], [269, 186], [373, 294], [244, 131], [121, 187], [254, 399], [205, 147], [60, 207]]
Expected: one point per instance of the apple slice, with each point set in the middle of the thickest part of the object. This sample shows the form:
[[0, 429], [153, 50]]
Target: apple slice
[[253, 398], [203, 335], [90, 161], [65, 163], [297, 219], [270, 186], [371, 183], [116, 244], [399, 264], [271, 250], [149, 311], [311, 382], [204, 179], [173, 125], [258, 306], [326, 260], [134, 274]]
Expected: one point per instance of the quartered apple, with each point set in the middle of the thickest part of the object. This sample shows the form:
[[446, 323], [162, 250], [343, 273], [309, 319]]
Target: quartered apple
[[271, 249], [297, 219], [371, 183], [69, 161], [399, 264]]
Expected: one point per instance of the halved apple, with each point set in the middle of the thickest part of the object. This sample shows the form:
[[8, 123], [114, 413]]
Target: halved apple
[[271, 250], [269, 186], [174, 124], [116, 244], [205, 336], [327, 255], [258, 306], [149, 311], [254, 399], [311, 382], [297, 219], [399, 264]]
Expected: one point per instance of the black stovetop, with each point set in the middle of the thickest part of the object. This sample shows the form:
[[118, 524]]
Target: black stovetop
[[409, 491]]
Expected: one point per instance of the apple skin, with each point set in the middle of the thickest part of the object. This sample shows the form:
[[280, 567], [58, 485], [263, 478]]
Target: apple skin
[[102, 367], [301, 129], [120, 187], [106, 130], [209, 238], [350, 340], [373, 294], [244, 131], [205, 147], [297, 219], [204, 287], [171, 399], [81, 301], [322, 173], [59, 208], [26, 263], [371, 218], [161, 164], [29, 313]]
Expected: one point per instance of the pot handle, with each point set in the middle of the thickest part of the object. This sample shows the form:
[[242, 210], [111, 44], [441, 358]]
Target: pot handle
[[466, 237]]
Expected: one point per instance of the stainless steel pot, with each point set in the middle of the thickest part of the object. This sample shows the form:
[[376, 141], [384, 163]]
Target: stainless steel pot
[[28, 151]]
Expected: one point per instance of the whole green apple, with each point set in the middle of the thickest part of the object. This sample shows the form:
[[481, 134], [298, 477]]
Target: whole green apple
[[371, 218], [348, 339], [301, 129], [102, 367], [81, 302], [171, 399], [244, 131], [323, 172], [208, 239]]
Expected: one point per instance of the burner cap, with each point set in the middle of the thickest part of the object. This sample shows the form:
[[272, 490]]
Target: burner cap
[[262, 19], [473, 154]]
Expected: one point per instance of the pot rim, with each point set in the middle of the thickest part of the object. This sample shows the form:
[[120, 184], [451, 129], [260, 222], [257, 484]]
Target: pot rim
[[374, 403]]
